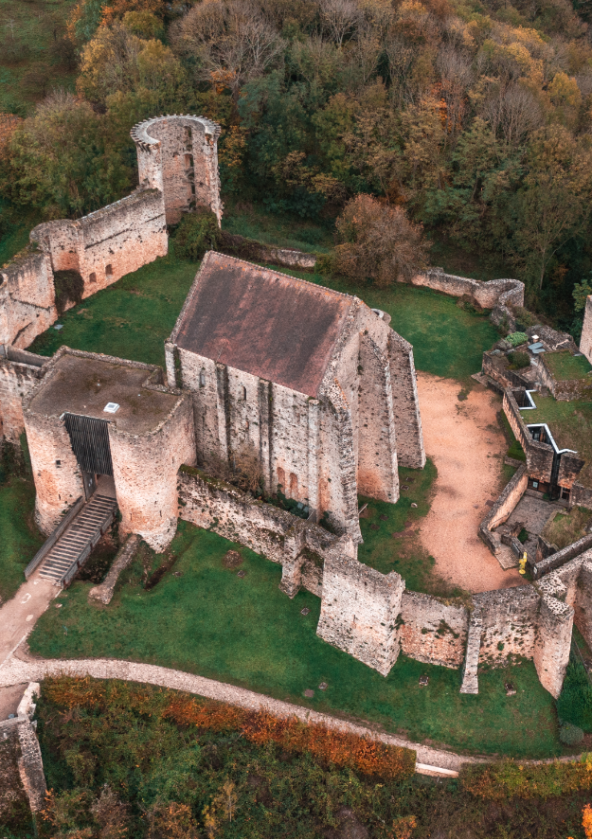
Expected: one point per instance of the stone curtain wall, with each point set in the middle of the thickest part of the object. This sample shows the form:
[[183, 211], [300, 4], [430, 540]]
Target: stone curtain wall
[[497, 295], [178, 169], [359, 610], [410, 450], [27, 299], [17, 379], [372, 616], [178, 155], [539, 456], [105, 245], [432, 631]]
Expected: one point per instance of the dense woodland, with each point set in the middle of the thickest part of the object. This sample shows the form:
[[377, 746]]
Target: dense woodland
[[473, 115]]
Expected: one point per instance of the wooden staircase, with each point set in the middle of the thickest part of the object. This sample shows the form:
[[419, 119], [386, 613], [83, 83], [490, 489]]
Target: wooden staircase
[[75, 544]]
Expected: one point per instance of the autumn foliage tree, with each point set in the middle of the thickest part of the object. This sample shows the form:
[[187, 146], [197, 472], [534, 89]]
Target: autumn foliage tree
[[378, 243]]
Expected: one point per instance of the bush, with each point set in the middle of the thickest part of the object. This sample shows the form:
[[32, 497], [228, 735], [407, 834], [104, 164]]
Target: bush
[[517, 338], [197, 233], [519, 360], [523, 535], [378, 243], [570, 735], [575, 701]]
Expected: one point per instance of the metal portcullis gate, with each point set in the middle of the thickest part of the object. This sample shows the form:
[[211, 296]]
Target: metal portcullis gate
[[90, 442]]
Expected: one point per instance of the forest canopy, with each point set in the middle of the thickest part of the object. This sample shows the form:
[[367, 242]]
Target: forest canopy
[[473, 115]]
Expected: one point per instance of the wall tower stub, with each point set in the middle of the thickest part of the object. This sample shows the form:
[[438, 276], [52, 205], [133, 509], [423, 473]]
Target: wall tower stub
[[178, 155]]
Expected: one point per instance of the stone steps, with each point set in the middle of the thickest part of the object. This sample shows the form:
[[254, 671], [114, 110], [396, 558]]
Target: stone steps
[[77, 542]]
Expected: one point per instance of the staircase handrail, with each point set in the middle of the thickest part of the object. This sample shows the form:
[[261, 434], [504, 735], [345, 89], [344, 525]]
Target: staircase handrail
[[54, 537]]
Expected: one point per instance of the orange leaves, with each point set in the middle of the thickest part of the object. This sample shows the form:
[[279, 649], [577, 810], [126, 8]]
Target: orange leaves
[[587, 820], [502, 781], [8, 125], [343, 749]]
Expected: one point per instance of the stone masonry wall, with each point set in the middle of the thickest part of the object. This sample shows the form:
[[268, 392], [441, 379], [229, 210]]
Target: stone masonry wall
[[539, 456], [27, 299], [586, 339], [498, 295], [145, 471], [179, 155], [502, 508], [277, 534], [510, 618], [58, 480], [16, 381], [107, 244], [359, 610], [432, 631], [408, 429], [178, 170]]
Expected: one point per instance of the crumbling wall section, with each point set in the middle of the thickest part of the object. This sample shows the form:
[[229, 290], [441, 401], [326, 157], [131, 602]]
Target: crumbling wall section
[[497, 295], [510, 618], [27, 299], [502, 508], [539, 456], [433, 631], [359, 612], [408, 429], [145, 471], [16, 382]]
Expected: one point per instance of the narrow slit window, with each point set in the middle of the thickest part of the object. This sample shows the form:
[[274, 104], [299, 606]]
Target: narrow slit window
[[109, 270], [202, 379]]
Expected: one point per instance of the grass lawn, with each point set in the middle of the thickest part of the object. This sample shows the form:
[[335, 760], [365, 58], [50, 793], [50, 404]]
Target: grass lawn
[[245, 631], [566, 528], [20, 538], [131, 319], [565, 366], [570, 424]]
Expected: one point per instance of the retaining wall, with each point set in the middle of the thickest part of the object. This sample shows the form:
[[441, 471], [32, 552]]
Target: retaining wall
[[502, 508]]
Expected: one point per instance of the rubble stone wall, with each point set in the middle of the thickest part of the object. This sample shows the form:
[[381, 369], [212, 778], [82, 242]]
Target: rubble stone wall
[[16, 381], [359, 610], [497, 295], [432, 631], [502, 508], [510, 618], [27, 299]]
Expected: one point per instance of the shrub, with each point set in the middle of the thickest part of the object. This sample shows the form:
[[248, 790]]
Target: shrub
[[517, 338], [523, 535], [519, 360], [378, 242], [197, 233], [570, 735]]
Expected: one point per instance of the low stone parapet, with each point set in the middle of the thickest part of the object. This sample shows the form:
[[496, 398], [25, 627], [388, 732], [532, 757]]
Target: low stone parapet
[[103, 593]]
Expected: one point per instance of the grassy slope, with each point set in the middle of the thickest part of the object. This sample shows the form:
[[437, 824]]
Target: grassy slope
[[19, 538], [245, 631]]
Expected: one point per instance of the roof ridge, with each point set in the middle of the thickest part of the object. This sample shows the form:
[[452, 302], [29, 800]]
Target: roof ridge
[[281, 274]]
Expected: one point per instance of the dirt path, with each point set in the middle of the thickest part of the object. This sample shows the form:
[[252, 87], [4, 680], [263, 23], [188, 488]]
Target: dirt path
[[463, 440], [19, 615]]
